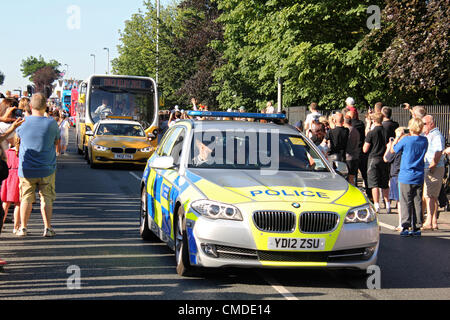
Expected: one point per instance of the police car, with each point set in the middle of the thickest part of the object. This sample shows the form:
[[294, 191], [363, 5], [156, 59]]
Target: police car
[[253, 194], [118, 140]]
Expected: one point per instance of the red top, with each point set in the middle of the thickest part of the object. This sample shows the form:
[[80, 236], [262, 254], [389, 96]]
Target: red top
[[10, 186]]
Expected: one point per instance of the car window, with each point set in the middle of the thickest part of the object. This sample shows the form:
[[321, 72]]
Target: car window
[[169, 141], [258, 150], [130, 130], [178, 147]]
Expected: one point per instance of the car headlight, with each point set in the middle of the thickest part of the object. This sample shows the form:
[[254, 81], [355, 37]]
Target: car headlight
[[364, 214], [100, 148], [148, 149], [216, 210]]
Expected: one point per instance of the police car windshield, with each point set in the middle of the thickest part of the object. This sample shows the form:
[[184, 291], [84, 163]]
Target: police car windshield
[[253, 150], [112, 129]]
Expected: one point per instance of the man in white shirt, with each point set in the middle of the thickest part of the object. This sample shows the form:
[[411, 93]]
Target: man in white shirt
[[313, 116]]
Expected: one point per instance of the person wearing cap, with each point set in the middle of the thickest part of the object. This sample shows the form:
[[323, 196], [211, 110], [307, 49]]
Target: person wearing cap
[[241, 110], [350, 105]]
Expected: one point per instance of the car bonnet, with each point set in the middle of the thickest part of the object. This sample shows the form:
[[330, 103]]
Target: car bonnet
[[237, 186]]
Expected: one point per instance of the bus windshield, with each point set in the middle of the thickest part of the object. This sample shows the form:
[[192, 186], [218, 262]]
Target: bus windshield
[[122, 97]]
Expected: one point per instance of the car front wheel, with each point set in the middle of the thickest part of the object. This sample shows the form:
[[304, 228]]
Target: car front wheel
[[144, 230], [184, 267]]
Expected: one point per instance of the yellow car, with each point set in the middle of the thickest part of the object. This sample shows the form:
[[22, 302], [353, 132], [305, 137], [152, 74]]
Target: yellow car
[[118, 141]]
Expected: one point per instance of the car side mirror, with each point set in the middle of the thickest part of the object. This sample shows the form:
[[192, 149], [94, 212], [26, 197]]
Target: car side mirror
[[165, 162], [89, 133], [341, 168]]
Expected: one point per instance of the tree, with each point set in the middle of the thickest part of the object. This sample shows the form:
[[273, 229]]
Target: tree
[[186, 61], [414, 49], [44, 77], [198, 29], [2, 78], [30, 65], [137, 49], [313, 46], [41, 73]]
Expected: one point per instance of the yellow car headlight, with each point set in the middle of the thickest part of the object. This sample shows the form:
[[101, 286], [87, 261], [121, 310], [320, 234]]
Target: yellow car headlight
[[147, 149], [100, 148]]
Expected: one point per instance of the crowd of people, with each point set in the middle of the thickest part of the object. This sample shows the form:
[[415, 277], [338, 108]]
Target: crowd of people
[[33, 132], [398, 165], [401, 164]]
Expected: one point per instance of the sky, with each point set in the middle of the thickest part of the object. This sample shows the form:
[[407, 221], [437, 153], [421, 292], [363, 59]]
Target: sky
[[68, 31]]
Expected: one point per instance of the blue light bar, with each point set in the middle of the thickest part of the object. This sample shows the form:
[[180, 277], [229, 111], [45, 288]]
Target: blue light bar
[[220, 114]]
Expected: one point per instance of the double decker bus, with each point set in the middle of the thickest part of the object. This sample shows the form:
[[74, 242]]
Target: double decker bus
[[73, 112], [103, 96], [66, 99]]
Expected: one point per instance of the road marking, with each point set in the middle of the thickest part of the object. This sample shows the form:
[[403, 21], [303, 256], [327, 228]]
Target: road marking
[[387, 226], [135, 175], [278, 287]]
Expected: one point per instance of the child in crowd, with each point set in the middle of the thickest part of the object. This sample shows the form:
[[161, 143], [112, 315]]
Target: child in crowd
[[10, 186]]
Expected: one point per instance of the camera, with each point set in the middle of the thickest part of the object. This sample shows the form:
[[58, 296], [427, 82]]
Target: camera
[[18, 113], [406, 131]]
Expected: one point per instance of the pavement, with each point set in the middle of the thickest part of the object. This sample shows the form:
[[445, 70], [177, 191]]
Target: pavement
[[390, 221]]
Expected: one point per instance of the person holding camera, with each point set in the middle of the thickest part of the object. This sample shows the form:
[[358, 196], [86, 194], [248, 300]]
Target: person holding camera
[[416, 111], [411, 176]]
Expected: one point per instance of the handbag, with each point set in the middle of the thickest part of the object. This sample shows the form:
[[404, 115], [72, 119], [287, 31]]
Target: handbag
[[4, 170]]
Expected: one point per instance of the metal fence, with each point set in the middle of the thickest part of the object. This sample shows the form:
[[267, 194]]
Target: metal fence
[[440, 113]]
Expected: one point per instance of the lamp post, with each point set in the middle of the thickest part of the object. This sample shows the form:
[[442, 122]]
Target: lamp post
[[93, 55], [280, 96], [67, 70], [157, 40], [107, 49]]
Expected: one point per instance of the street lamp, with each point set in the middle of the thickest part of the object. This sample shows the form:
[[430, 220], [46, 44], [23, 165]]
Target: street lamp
[[93, 55], [67, 70], [107, 49], [157, 40]]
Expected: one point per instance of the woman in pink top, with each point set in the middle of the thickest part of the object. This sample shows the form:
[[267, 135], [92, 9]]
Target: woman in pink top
[[10, 187]]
